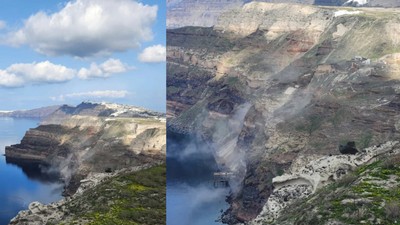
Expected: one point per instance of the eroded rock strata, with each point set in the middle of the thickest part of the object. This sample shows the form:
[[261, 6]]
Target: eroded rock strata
[[270, 83], [91, 137], [206, 13]]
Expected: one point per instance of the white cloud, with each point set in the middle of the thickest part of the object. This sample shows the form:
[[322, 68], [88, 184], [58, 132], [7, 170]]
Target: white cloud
[[42, 72], [20, 74], [153, 54], [93, 95], [106, 69], [88, 27], [2, 24], [10, 80]]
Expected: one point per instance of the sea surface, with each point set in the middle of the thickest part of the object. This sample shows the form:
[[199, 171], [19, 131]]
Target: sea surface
[[191, 195], [21, 182]]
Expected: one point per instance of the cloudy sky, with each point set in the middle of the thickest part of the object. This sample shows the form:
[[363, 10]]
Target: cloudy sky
[[66, 52]]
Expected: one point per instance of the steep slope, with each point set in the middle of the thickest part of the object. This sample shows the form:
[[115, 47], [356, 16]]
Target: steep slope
[[206, 13], [197, 13], [133, 196], [368, 195], [272, 82], [93, 137], [306, 177]]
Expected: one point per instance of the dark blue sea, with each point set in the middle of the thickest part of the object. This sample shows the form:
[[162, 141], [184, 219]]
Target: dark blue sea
[[22, 182]]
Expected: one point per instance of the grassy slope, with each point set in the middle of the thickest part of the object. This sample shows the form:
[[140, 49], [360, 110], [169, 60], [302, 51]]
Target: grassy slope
[[370, 194], [134, 198]]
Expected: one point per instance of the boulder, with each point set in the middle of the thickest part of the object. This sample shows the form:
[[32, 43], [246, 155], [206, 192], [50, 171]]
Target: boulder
[[349, 148]]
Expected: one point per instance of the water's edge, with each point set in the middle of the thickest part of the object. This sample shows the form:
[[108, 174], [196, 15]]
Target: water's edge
[[22, 181]]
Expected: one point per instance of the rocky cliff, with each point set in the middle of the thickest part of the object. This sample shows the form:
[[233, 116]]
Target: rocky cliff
[[206, 12], [368, 194], [273, 82], [93, 137], [197, 13], [306, 177], [134, 195]]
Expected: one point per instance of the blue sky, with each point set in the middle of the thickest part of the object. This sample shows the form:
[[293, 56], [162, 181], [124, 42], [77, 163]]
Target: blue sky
[[66, 52]]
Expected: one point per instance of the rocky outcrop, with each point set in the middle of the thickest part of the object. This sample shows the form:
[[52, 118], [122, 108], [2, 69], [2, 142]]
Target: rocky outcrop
[[304, 181], [206, 13], [197, 13], [64, 210], [309, 79], [93, 138], [367, 195], [349, 148]]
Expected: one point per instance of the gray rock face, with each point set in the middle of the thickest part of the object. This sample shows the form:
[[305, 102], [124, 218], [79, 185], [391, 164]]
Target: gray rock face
[[303, 181], [93, 138], [206, 13], [309, 82], [181, 13]]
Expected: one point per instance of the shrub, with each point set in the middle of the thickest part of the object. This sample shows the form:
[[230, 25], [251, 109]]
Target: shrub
[[347, 180], [392, 210], [391, 162]]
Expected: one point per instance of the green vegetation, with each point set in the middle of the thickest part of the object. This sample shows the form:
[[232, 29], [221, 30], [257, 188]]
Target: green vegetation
[[370, 194], [133, 198]]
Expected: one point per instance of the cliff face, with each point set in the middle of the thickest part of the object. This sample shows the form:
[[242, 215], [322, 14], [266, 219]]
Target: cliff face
[[129, 196], [93, 138], [197, 13], [205, 13], [367, 195], [272, 82]]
